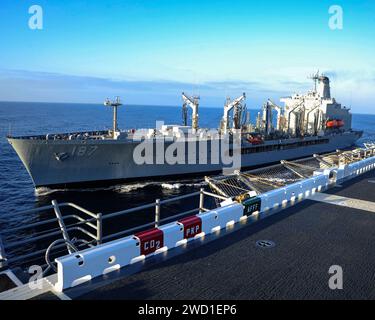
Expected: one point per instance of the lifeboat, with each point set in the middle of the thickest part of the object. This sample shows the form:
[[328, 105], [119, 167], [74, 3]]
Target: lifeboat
[[340, 123], [333, 124]]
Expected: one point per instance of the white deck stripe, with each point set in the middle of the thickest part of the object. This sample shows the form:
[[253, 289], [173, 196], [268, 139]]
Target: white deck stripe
[[13, 277], [24, 292], [344, 202]]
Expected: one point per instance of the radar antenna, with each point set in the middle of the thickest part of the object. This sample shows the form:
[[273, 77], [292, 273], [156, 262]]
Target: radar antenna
[[315, 78], [114, 104]]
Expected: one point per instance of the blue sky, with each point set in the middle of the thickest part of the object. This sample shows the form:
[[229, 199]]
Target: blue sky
[[148, 51]]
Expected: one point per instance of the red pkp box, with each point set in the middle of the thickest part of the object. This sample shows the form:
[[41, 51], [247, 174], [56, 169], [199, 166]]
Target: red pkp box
[[150, 240], [192, 226]]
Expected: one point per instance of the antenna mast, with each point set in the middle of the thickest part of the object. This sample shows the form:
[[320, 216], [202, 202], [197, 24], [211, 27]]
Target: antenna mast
[[114, 104], [315, 78]]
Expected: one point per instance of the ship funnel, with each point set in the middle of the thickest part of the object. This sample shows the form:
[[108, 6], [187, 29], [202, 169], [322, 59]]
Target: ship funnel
[[324, 89]]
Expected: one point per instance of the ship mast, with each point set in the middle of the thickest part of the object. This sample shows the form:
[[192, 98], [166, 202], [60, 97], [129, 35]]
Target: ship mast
[[315, 78], [114, 104]]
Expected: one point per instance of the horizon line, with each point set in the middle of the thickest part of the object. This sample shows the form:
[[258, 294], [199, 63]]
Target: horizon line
[[140, 105]]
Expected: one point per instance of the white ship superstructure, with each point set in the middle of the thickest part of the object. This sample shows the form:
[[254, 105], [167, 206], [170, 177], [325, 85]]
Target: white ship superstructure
[[311, 113], [305, 125]]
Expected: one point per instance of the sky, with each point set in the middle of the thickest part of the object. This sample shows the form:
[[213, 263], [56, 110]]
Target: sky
[[149, 51]]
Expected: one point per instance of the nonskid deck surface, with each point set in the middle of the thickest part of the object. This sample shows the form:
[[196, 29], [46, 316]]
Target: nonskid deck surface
[[310, 237]]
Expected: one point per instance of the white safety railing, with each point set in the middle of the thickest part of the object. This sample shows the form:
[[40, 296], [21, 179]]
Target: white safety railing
[[85, 265], [101, 254], [79, 267]]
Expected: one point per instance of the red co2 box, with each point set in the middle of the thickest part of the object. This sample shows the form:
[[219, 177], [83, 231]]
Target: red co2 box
[[150, 240], [192, 226]]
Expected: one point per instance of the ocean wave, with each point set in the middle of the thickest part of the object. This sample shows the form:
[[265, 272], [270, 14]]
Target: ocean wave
[[45, 191], [125, 188]]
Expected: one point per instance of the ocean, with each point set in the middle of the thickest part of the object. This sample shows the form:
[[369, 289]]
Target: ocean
[[19, 118]]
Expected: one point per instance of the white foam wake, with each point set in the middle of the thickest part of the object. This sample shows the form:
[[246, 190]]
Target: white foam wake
[[124, 188], [170, 186]]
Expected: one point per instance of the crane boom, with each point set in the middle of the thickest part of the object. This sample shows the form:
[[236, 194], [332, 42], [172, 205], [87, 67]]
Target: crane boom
[[193, 103], [279, 111], [228, 107]]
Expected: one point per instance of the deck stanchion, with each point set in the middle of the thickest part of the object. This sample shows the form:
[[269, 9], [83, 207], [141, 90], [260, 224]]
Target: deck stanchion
[[99, 231], [60, 220], [201, 200], [157, 213], [3, 260]]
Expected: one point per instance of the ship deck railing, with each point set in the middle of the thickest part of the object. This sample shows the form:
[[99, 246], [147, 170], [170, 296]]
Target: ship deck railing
[[57, 229], [82, 135], [74, 224]]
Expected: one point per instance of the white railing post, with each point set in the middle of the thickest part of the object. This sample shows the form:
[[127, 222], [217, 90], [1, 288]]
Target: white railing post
[[99, 229], [157, 213], [60, 220], [3, 259], [201, 200]]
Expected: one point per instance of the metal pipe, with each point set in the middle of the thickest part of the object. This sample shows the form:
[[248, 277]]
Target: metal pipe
[[292, 111], [61, 223], [73, 205], [148, 206], [119, 213], [213, 186], [308, 115], [180, 197], [27, 211], [193, 103], [319, 158], [18, 243], [99, 230], [286, 165], [121, 233], [3, 259], [48, 233], [91, 235], [114, 121], [49, 207], [248, 183], [34, 253], [215, 195], [40, 223], [157, 213], [201, 200]]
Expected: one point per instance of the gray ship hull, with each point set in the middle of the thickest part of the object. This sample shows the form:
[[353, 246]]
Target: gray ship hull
[[92, 162]]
